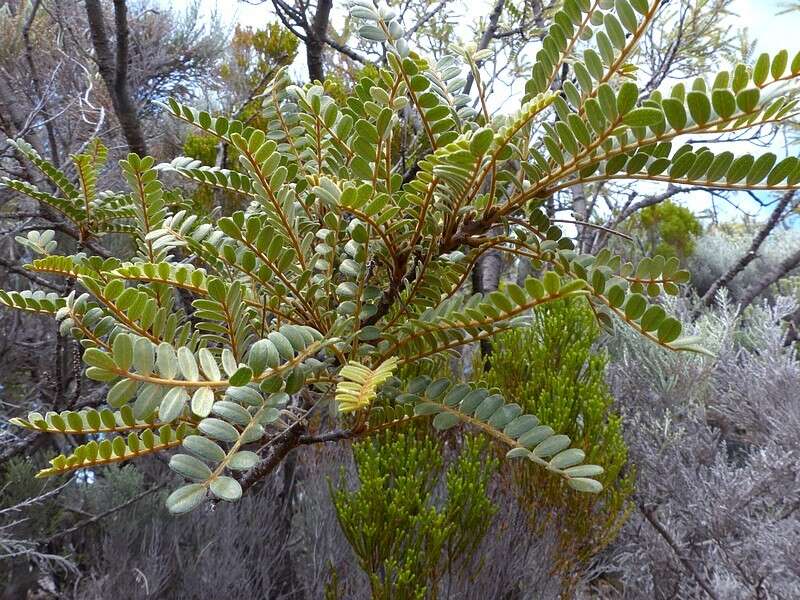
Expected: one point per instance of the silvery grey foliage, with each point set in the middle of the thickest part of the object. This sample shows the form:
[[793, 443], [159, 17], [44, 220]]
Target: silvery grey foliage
[[243, 552], [714, 443], [529, 557], [717, 251], [716, 449], [323, 549]]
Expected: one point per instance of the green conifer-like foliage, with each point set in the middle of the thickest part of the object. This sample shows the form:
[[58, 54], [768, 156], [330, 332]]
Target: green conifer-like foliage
[[404, 542], [553, 371], [224, 336]]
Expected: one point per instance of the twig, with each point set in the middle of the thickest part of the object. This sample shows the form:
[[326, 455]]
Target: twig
[[279, 452], [330, 436], [487, 37], [28, 275], [752, 251], [649, 514], [36, 499]]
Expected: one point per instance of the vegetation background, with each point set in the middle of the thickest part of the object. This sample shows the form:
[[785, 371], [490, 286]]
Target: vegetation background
[[701, 453]]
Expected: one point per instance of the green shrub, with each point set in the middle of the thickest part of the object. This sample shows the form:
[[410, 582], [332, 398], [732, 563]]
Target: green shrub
[[404, 539], [553, 371], [223, 333]]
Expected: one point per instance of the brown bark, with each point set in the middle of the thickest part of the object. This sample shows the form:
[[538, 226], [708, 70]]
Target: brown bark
[[315, 43], [286, 442], [113, 69], [314, 34]]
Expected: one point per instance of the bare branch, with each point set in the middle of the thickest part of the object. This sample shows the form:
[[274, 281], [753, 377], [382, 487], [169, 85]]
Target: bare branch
[[346, 50], [487, 37], [289, 439], [752, 251], [788, 264], [103, 515], [649, 514]]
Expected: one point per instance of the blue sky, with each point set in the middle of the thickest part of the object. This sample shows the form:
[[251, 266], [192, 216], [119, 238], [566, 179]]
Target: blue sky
[[770, 31]]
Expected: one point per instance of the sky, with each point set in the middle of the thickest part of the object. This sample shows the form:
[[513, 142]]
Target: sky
[[769, 31], [758, 16]]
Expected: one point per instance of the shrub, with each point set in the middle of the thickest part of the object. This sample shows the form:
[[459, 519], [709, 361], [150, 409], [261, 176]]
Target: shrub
[[406, 538], [554, 371], [670, 229], [715, 445], [30, 511], [718, 250]]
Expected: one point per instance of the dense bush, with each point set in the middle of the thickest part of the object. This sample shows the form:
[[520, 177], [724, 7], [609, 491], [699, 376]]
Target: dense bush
[[713, 442], [553, 371], [244, 341], [715, 445], [404, 542], [718, 250], [669, 229]]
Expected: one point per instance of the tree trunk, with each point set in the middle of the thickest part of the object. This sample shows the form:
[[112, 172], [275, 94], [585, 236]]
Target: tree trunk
[[524, 270], [316, 72], [579, 214], [315, 42], [114, 70], [485, 279], [793, 328]]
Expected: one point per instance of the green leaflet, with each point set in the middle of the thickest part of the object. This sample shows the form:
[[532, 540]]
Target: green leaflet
[[186, 498], [643, 117]]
